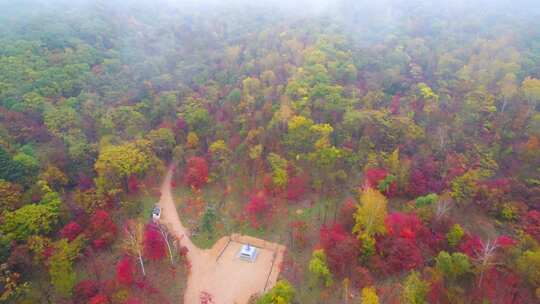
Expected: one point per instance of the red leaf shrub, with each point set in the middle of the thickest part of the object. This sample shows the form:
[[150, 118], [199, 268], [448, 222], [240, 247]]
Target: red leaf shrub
[[257, 208], [48, 252], [133, 184], [99, 244], [425, 177], [430, 241], [206, 298], [133, 301], [181, 124], [399, 254], [437, 292], [154, 245], [417, 184], [183, 251], [374, 176], [99, 299], [402, 225], [361, 277], [124, 271], [471, 245], [196, 172], [532, 224], [296, 188], [502, 287], [341, 248], [498, 184], [455, 166], [505, 241], [71, 231], [268, 185], [84, 290]]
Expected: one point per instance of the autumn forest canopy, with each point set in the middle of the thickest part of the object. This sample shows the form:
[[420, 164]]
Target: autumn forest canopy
[[392, 146]]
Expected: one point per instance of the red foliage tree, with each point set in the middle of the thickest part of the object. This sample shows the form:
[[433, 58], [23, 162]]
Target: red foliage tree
[[471, 245], [154, 245], [296, 188], [341, 248], [70, 231], [124, 271], [133, 184], [455, 164], [85, 290], [361, 277], [181, 124], [502, 287], [196, 172], [437, 292], [417, 184], [430, 241], [402, 225], [22, 127], [374, 176], [498, 184], [101, 230], [268, 184], [505, 241], [425, 177], [133, 300], [493, 190], [532, 224], [409, 226], [399, 254], [99, 299], [257, 208]]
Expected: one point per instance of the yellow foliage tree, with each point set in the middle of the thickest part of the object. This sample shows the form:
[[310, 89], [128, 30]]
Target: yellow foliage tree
[[192, 141], [116, 163], [371, 213], [369, 218], [369, 296]]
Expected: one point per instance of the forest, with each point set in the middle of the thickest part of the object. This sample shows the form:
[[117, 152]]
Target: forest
[[392, 147]]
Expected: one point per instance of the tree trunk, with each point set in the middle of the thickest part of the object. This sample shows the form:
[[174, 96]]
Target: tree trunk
[[164, 234], [142, 264]]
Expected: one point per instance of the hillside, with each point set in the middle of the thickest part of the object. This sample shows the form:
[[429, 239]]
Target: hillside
[[373, 153]]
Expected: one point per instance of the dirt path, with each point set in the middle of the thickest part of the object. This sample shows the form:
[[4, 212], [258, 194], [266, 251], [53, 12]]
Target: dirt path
[[218, 271]]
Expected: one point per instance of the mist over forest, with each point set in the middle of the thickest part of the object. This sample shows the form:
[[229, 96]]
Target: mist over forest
[[269, 152]]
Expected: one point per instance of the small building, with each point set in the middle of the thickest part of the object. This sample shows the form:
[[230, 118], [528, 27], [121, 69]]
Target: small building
[[248, 253]]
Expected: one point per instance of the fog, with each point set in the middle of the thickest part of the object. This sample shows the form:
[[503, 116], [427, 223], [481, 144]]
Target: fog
[[142, 28], [357, 9]]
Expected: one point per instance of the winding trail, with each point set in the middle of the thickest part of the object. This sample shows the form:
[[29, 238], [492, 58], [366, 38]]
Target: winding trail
[[218, 271]]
